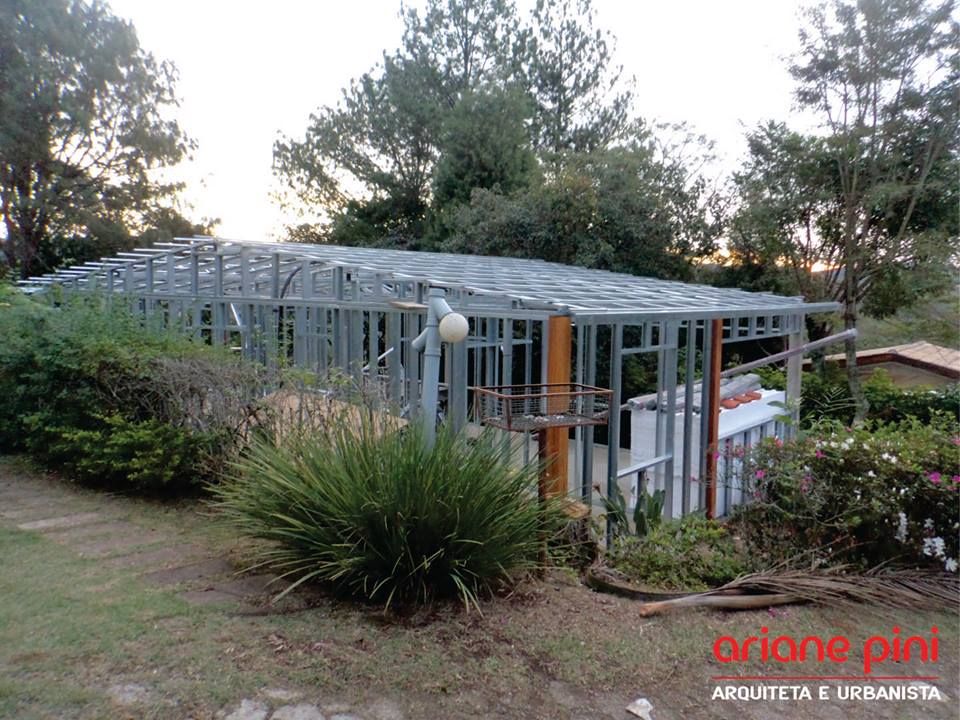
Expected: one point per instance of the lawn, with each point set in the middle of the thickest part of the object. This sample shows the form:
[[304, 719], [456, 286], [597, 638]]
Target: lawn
[[82, 638]]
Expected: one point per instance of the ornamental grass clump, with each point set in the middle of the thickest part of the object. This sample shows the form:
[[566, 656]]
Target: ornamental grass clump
[[367, 508]]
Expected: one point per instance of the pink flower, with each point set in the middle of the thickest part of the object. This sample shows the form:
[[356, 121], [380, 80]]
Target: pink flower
[[934, 478], [778, 442], [956, 440], [956, 479], [820, 454], [760, 474]]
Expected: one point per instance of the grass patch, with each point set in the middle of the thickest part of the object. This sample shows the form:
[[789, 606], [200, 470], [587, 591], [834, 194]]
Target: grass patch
[[70, 628]]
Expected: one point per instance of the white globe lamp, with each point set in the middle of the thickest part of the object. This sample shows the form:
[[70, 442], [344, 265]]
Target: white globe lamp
[[454, 327]]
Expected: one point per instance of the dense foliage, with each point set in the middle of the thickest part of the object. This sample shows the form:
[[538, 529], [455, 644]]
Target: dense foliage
[[870, 495], [863, 211], [632, 209], [826, 396], [116, 403], [371, 510]]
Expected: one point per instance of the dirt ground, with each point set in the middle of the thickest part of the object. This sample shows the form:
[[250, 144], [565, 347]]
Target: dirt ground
[[119, 608]]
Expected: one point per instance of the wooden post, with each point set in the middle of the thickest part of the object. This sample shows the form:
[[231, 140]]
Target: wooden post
[[713, 421], [556, 441]]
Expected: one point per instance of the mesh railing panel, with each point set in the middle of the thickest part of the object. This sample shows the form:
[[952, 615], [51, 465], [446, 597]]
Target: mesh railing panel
[[528, 408]]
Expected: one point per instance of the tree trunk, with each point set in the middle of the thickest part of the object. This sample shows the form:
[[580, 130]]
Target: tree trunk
[[861, 406], [851, 294], [817, 329]]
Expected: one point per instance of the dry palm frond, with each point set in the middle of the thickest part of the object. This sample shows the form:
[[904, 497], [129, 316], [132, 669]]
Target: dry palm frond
[[837, 586], [917, 589]]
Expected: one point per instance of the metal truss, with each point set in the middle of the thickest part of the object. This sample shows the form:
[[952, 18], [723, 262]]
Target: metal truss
[[324, 307]]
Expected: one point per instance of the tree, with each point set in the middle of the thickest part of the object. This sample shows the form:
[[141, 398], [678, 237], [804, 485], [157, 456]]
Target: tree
[[376, 148], [468, 43], [787, 190], [633, 209], [416, 133], [104, 237], [368, 162], [865, 210], [581, 105], [82, 125], [484, 143]]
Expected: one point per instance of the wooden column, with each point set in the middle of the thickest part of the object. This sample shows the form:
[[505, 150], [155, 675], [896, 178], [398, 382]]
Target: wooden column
[[555, 442], [713, 421]]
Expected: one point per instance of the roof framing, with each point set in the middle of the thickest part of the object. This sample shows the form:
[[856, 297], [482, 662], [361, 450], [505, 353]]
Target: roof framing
[[371, 278]]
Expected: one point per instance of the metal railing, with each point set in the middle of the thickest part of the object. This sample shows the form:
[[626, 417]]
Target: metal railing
[[733, 488]]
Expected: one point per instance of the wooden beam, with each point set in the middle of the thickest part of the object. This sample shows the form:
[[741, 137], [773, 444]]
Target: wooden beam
[[713, 421], [556, 441]]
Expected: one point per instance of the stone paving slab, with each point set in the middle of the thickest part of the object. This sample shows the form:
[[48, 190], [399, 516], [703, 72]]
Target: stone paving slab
[[252, 585], [69, 535], [62, 522], [205, 569], [33, 498], [37, 512], [18, 495], [120, 544], [208, 596], [297, 712], [158, 558], [11, 493]]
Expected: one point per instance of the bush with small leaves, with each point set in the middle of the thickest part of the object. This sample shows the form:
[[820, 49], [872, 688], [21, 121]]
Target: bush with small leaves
[[115, 400], [692, 553]]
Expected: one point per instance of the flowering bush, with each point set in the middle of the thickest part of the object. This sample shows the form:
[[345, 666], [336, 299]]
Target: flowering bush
[[870, 495]]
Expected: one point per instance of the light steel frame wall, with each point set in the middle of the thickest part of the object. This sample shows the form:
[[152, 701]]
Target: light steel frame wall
[[322, 307]]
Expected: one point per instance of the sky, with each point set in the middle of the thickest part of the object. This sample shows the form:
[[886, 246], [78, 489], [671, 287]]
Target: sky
[[251, 70]]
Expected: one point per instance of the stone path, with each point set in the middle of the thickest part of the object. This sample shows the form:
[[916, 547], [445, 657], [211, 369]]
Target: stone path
[[96, 526], [279, 705], [271, 704]]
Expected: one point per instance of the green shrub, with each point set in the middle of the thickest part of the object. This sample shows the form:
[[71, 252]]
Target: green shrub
[[827, 397], [146, 456], [875, 494], [379, 516], [116, 401], [691, 553]]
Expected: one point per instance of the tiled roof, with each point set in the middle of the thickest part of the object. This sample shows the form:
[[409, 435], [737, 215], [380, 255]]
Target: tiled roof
[[938, 359]]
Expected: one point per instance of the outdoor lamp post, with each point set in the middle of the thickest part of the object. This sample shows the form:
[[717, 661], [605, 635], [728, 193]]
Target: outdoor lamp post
[[443, 324]]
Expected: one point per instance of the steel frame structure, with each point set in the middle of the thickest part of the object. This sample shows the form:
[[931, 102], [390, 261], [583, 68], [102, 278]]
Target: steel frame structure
[[321, 307]]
